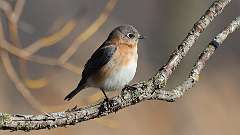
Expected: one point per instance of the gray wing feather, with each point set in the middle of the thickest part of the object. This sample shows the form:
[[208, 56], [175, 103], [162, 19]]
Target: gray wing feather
[[99, 58]]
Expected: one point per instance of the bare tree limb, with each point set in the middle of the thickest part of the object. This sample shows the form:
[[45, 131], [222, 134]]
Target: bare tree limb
[[193, 77], [146, 90], [215, 9]]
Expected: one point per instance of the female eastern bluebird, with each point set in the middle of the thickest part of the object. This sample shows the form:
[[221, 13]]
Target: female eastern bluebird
[[113, 65]]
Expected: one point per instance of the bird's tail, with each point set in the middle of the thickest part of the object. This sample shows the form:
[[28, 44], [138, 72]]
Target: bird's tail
[[81, 85]]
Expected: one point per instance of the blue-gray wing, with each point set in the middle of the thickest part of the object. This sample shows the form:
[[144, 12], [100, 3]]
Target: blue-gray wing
[[99, 58]]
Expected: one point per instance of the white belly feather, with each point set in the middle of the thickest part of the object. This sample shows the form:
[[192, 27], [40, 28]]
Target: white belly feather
[[120, 78]]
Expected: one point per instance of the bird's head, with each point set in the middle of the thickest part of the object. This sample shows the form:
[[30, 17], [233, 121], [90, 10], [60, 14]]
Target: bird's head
[[125, 34]]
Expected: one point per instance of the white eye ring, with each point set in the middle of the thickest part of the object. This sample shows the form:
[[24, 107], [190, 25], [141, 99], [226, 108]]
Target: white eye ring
[[130, 35]]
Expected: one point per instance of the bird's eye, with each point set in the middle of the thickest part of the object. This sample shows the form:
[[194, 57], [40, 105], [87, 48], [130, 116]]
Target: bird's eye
[[130, 35]]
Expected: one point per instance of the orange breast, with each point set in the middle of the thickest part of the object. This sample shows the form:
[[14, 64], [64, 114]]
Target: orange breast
[[122, 57]]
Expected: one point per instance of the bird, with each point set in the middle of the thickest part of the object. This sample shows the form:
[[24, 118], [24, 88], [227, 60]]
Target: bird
[[113, 65]]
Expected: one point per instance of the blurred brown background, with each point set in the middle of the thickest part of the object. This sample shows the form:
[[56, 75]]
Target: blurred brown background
[[212, 107]]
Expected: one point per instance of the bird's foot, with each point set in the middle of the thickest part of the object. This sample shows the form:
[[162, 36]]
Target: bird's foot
[[131, 87], [105, 106], [109, 105]]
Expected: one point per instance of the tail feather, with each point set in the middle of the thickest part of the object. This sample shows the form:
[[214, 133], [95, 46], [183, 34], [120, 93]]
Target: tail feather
[[80, 86]]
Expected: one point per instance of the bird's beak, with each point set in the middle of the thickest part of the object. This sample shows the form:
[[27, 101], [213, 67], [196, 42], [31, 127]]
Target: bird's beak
[[141, 37]]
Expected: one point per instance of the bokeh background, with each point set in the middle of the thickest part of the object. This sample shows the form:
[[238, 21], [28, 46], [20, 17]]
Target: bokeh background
[[211, 107]]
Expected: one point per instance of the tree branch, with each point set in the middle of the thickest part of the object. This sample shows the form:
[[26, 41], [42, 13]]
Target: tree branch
[[146, 90], [193, 76]]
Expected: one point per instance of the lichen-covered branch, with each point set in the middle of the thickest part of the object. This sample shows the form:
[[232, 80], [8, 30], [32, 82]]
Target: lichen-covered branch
[[215, 9], [146, 90], [193, 77]]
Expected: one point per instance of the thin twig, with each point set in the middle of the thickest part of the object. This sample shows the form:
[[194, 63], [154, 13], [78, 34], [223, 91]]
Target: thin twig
[[13, 75], [11, 72], [88, 32], [18, 83], [13, 18], [16, 80], [7, 61], [28, 52], [18, 10], [21, 53], [6, 8], [24, 54], [52, 39]]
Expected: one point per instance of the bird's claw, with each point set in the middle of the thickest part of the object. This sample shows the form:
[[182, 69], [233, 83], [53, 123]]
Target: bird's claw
[[131, 87], [109, 105]]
